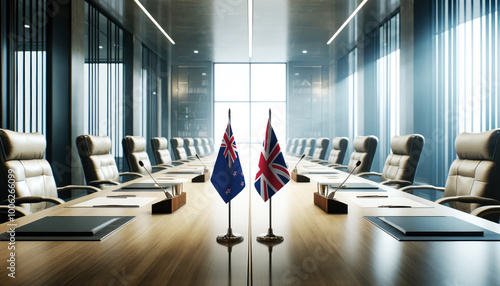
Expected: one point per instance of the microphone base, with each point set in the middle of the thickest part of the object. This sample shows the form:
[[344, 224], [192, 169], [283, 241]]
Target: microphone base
[[299, 178], [202, 178], [168, 206], [330, 206]]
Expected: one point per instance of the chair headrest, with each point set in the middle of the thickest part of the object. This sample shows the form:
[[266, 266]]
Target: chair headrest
[[189, 141], [198, 141], [22, 146], [309, 141], [364, 143], [135, 143], [161, 143], [178, 142], [402, 145], [89, 145], [340, 143], [205, 141], [322, 143], [478, 146]]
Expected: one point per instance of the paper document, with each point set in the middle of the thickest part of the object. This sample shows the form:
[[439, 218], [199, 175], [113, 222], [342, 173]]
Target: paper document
[[386, 202], [115, 202]]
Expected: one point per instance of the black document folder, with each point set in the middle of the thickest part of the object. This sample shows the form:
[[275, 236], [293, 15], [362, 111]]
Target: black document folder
[[65, 226], [432, 226], [69, 228]]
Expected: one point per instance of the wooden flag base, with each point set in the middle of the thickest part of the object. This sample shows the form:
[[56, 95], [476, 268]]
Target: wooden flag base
[[168, 206], [299, 178], [202, 178], [331, 206]]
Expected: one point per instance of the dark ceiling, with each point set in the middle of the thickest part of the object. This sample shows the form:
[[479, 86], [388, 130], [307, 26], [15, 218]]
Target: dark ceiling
[[218, 29]]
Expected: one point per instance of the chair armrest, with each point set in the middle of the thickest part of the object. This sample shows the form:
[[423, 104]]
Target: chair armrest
[[400, 183], [366, 174], [410, 189], [163, 167], [91, 189], [469, 199], [485, 211], [131, 174], [166, 165], [18, 212], [98, 183], [338, 166], [36, 199]]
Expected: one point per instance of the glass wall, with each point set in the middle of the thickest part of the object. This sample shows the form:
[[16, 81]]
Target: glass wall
[[27, 66], [250, 91], [103, 79], [466, 43]]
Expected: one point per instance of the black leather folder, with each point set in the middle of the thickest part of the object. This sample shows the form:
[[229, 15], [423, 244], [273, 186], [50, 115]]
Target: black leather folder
[[432, 226]]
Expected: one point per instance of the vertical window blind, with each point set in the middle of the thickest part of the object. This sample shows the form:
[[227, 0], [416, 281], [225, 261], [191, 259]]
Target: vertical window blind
[[388, 89], [104, 85], [27, 65], [466, 43]]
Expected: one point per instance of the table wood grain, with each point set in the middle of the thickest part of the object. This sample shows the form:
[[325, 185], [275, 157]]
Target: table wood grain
[[318, 248]]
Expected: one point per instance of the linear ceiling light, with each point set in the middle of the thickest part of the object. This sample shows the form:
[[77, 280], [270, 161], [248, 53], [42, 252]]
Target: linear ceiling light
[[154, 21], [347, 21], [250, 27]]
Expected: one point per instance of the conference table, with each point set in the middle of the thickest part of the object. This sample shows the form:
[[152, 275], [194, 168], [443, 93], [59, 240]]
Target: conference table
[[318, 248]]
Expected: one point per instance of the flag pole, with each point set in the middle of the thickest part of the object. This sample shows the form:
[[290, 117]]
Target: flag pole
[[230, 238], [270, 238]]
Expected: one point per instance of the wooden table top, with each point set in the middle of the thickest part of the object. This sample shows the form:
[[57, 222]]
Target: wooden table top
[[318, 248]]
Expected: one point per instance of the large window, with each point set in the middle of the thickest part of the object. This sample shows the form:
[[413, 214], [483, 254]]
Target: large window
[[103, 77], [250, 90], [467, 70], [27, 66], [388, 90]]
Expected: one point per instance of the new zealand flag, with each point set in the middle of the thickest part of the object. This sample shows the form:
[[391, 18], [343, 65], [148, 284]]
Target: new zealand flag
[[227, 176]]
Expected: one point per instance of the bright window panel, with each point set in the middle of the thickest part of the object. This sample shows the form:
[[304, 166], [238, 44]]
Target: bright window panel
[[231, 82], [268, 82]]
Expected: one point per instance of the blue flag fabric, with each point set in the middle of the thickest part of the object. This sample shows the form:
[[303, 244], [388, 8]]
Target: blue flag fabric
[[227, 176]]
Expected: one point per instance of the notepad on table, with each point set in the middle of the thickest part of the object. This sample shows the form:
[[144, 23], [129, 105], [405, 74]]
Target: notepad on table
[[66, 226], [432, 226]]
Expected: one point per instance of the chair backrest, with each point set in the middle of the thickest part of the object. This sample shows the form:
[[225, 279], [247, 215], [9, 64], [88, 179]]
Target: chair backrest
[[402, 163], [160, 150], [134, 150], [321, 148], [189, 146], [339, 148], [178, 148], [310, 145], [206, 146], [295, 144], [97, 161], [301, 145], [211, 145], [476, 171], [288, 145], [23, 164], [364, 151], [198, 144]]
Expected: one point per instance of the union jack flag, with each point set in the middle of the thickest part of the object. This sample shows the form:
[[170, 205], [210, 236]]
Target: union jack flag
[[272, 174], [227, 176]]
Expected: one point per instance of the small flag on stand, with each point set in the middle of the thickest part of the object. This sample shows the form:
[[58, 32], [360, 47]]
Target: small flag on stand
[[272, 174], [227, 176]]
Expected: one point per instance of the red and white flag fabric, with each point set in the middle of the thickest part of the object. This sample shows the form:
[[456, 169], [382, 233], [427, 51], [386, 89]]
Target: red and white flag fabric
[[272, 174]]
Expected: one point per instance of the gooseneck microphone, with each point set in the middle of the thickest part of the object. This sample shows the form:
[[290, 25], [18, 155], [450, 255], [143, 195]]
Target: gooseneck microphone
[[301, 157], [197, 156], [332, 194], [167, 194]]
